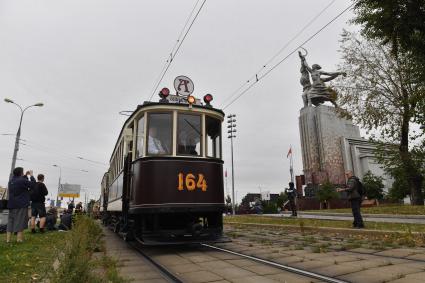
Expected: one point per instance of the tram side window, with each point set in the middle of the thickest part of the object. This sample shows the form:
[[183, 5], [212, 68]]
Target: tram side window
[[140, 137], [213, 130], [160, 133], [189, 134]]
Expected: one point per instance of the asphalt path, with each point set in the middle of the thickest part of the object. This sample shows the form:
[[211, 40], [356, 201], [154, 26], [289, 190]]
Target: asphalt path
[[410, 219]]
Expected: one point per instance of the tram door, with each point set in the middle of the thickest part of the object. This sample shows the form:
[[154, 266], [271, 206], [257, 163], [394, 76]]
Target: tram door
[[126, 184]]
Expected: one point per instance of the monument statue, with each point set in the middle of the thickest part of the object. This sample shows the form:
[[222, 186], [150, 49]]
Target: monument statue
[[317, 92]]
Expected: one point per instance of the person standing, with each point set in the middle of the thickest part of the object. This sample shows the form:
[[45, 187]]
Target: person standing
[[71, 205], [38, 193], [155, 145], [19, 201], [292, 195], [355, 192]]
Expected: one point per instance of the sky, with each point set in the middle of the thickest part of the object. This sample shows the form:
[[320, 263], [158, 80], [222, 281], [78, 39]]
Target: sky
[[89, 60]]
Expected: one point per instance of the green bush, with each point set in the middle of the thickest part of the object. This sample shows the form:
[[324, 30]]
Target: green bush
[[373, 186], [81, 242], [270, 207], [327, 192]]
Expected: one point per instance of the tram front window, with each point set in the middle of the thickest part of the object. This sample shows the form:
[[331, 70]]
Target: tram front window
[[160, 132], [189, 134], [140, 137], [213, 137]]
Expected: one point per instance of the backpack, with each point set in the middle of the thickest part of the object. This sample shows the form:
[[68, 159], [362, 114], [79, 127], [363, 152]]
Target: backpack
[[360, 188]]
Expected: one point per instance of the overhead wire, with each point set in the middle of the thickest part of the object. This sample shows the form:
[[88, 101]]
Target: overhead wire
[[287, 56], [178, 44], [255, 76], [55, 153], [160, 76], [51, 165]]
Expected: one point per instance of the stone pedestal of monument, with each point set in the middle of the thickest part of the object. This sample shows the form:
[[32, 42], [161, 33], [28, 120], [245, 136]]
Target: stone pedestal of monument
[[321, 131]]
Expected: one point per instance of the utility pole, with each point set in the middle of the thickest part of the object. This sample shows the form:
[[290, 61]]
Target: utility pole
[[231, 126]]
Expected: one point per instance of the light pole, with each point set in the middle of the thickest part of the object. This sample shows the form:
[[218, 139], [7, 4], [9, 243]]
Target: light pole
[[59, 183], [18, 134], [231, 126]]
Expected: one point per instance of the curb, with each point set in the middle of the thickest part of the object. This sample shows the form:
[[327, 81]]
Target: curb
[[326, 229], [368, 215]]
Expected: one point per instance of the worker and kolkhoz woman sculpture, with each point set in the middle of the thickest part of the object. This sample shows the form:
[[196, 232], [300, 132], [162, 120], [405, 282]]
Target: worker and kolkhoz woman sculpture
[[317, 92]]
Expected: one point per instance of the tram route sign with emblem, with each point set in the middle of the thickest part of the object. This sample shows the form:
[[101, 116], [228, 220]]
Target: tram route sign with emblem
[[183, 86]]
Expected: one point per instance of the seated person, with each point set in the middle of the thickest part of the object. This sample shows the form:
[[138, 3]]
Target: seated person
[[79, 207], [66, 221], [51, 218], [155, 145]]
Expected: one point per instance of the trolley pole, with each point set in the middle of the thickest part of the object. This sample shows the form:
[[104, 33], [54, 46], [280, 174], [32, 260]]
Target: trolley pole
[[231, 121]]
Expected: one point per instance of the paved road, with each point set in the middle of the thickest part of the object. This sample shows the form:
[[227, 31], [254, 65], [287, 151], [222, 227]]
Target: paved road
[[367, 217], [352, 259]]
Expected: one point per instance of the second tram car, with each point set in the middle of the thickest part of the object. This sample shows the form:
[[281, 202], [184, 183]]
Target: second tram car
[[165, 180]]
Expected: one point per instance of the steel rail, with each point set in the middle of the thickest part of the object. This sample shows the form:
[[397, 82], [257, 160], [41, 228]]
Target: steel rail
[[169, 275], [281, 266]]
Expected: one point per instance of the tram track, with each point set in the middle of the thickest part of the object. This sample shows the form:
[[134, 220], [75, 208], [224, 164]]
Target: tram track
[[155, 256], [298, 271], [171, 277], [277, 241]]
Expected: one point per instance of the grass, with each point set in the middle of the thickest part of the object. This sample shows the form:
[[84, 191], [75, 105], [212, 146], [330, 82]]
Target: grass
[[31, 260], [383, 209], [302, 223]]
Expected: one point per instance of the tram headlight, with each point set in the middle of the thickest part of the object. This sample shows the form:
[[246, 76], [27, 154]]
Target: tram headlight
[[164, 93], [191, 99], [207, 99]]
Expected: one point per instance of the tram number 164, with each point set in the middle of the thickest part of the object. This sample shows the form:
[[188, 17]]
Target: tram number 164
[[191, 182]]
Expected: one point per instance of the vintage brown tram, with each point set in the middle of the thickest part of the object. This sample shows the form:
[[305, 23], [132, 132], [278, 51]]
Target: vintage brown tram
[[165, 180]]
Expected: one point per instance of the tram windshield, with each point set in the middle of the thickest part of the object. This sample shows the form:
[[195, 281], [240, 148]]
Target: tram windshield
[[160, 133], [213, 130], [189, 134]]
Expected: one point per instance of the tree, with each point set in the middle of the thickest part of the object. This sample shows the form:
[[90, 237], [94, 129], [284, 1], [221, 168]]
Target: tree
[[327, 192], [399, 23], [381, 95], [373, 186], [283, 197]]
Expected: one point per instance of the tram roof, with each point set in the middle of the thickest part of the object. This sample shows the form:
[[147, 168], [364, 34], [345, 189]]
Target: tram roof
[[149, 104]]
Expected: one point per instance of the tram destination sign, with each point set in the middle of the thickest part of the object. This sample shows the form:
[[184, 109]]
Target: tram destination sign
[[181, 100], [69, 190]]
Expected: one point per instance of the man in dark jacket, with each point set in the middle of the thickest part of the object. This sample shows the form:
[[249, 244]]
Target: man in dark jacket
[[19, 200], [38, 193], [292, 195], [355, 197]]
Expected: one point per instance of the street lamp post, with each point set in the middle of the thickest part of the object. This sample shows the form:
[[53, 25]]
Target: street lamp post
[[18, 134], [59, 183], [231, 121]]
